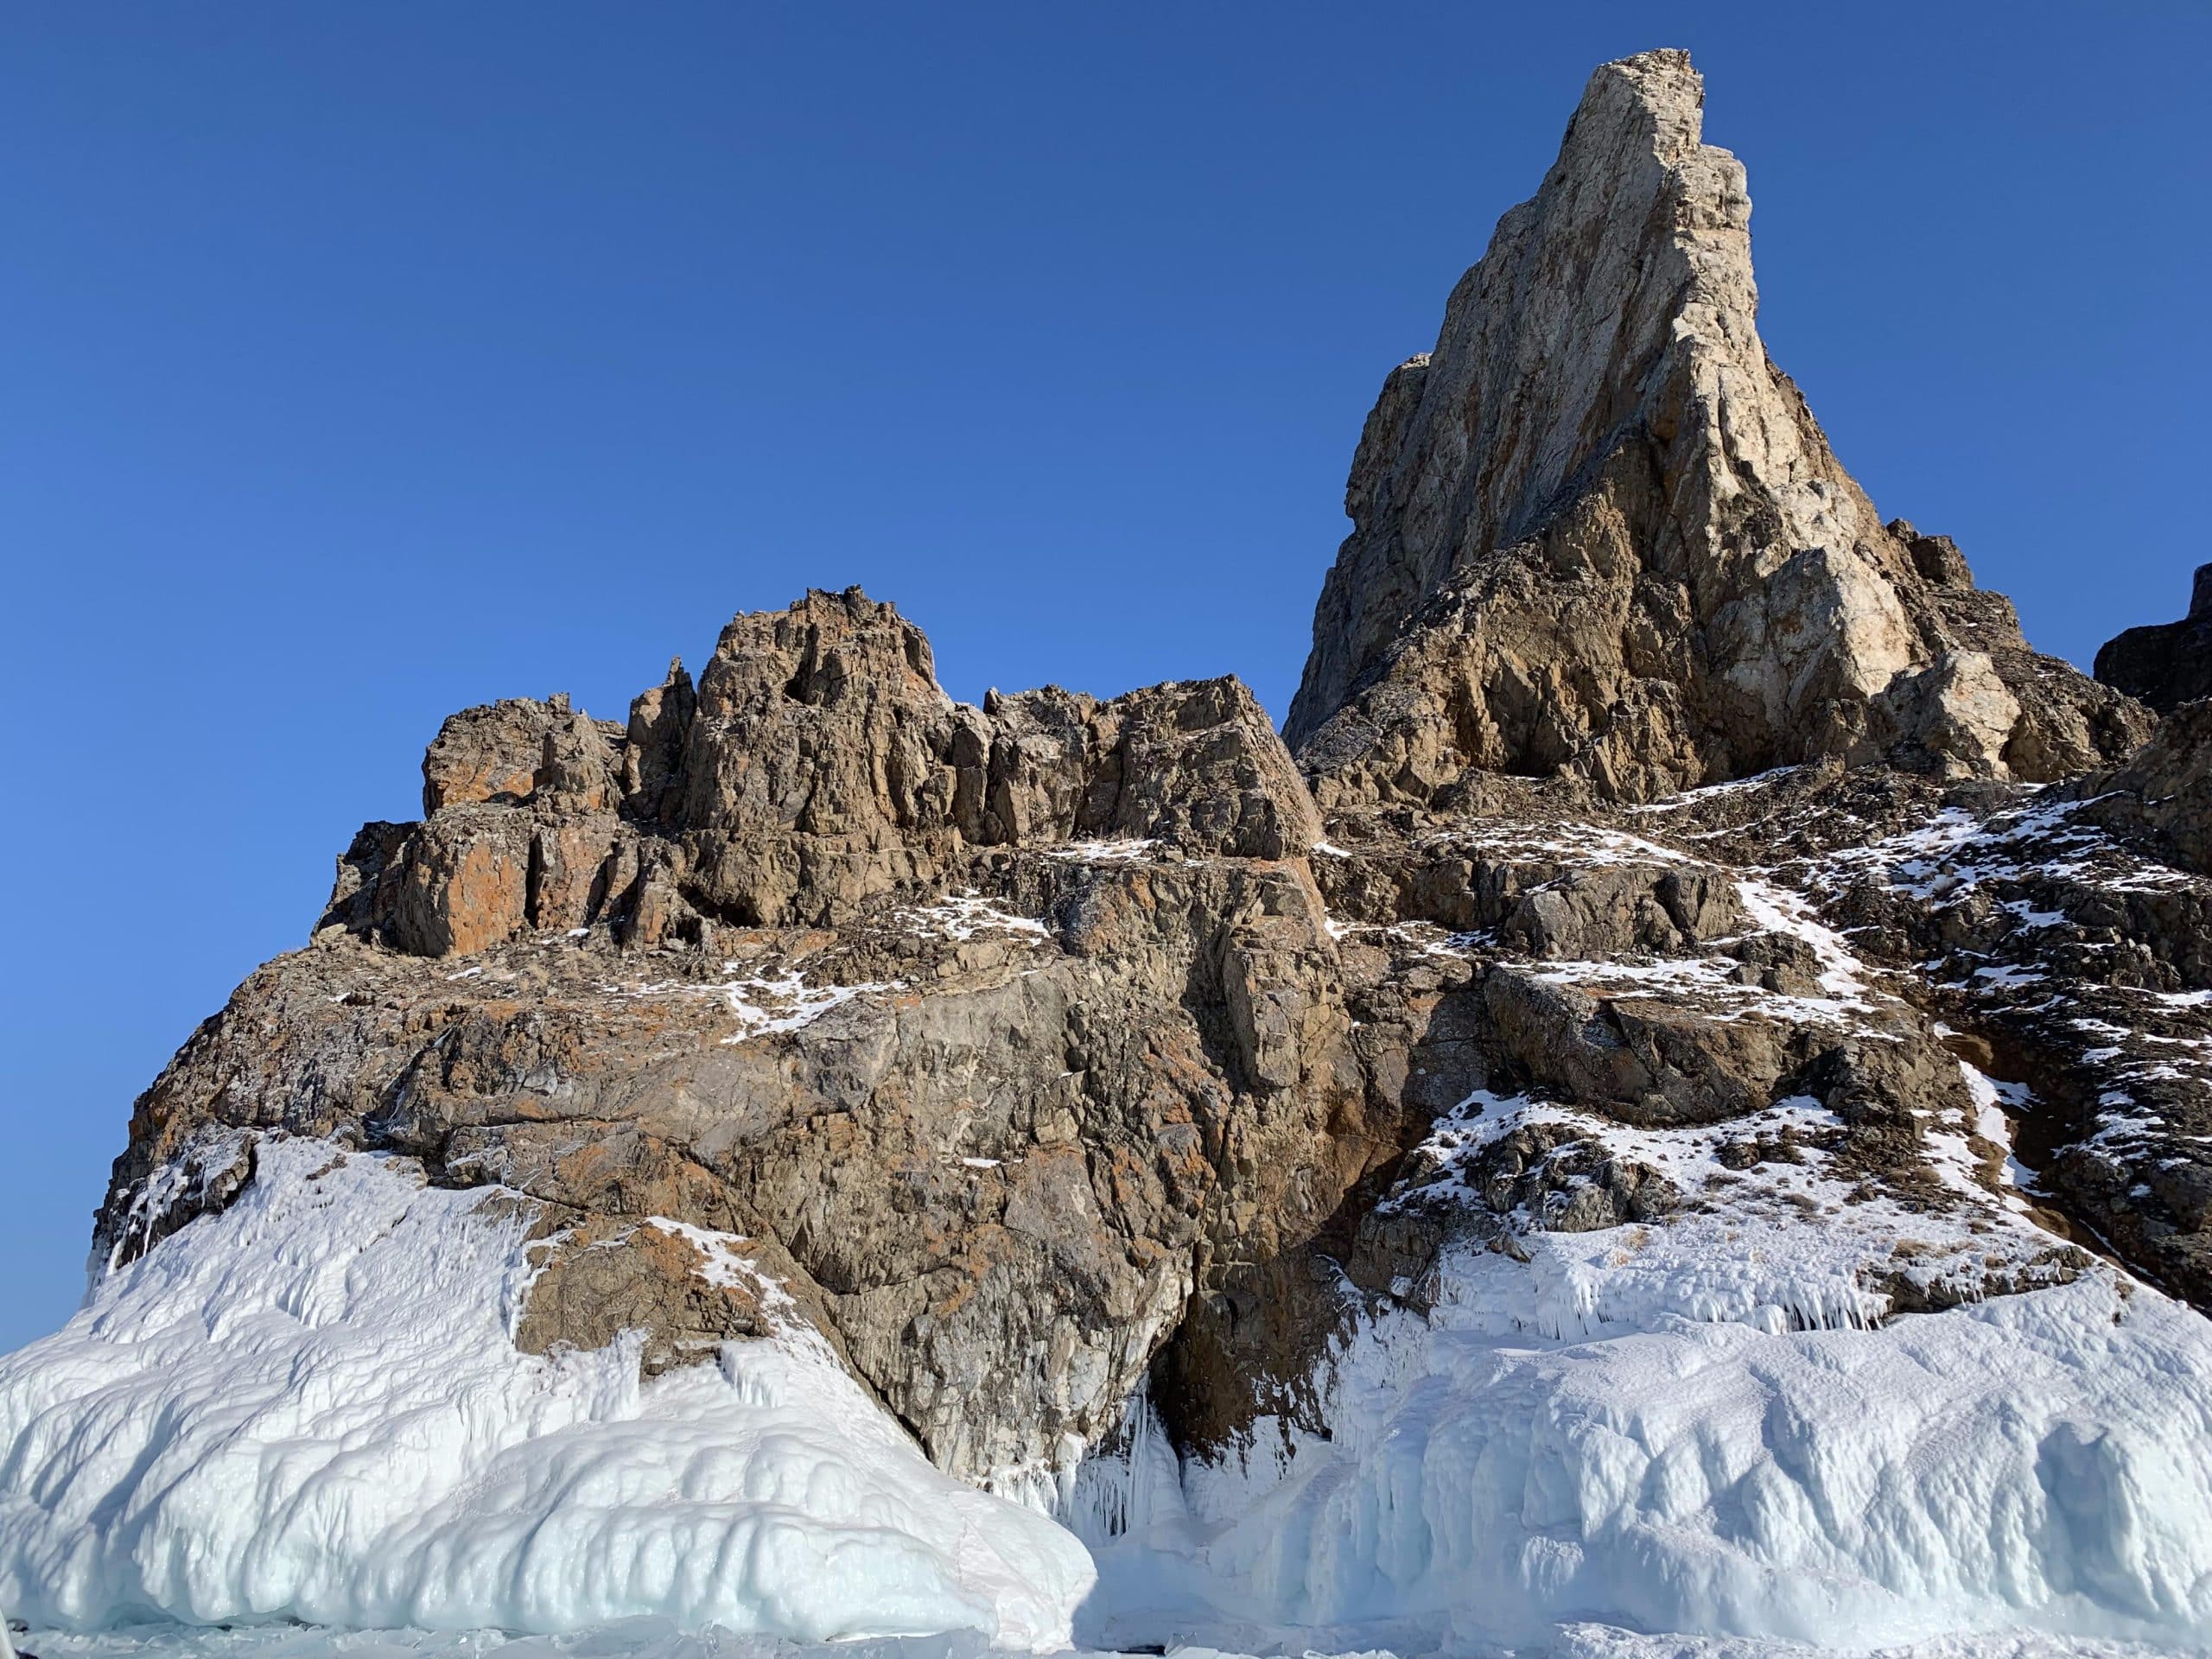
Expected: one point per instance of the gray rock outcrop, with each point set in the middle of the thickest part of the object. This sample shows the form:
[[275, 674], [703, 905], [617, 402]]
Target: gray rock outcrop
[[1597, 533]]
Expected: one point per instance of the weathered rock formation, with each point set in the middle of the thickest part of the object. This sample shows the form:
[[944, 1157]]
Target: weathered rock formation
[[1049, 1049], [2167, 663], [2163, 791], [1597, 533], [817, 765]]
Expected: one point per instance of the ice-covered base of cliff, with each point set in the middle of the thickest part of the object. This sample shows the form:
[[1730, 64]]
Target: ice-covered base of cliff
[[310, 1407], [646, 1638], [1563, 1446], [1712, 1425]]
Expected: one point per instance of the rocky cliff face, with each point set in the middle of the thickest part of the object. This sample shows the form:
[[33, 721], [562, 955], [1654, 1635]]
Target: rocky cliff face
[[815, 765], [1059, 1049], [1597, 534], [769, 961]]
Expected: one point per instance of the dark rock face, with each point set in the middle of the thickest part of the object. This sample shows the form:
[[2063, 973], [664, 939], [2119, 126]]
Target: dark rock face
[[1052, 1048], [2164, 791], [2168, 664]]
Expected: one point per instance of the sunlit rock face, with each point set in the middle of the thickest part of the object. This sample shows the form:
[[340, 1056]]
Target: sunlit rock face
[[1597, 534], [1650, 1112]]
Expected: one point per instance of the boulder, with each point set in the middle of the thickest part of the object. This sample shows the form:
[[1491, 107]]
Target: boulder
[[489, 753]]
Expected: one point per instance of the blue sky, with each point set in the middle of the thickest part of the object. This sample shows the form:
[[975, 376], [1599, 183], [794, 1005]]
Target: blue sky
[[364, 362]]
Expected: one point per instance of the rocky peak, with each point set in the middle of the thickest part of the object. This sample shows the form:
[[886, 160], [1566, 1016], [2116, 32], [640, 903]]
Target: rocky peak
[[1597, 533], [2167, 663], [811, 770], [509, 751], [816, 764], [653, 745]]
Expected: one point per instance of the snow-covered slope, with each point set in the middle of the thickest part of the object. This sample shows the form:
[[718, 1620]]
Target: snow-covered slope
[[309, 1407], [1694, 1428]]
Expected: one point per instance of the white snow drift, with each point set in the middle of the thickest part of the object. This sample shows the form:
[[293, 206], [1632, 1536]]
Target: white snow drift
[[1696, 1429], [309, 1407]]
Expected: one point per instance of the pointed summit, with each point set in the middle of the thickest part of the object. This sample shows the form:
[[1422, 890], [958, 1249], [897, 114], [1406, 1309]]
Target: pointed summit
[[1596, 532]]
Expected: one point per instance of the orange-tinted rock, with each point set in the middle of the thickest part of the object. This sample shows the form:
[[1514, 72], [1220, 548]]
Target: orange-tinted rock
[[487, 754], [463, 883]]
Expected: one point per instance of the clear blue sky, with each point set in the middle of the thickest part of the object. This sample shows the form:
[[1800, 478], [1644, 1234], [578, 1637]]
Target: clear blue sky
[[363, 362]]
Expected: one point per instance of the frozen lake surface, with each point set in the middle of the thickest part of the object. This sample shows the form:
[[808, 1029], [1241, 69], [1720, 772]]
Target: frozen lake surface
[[650, 1638]]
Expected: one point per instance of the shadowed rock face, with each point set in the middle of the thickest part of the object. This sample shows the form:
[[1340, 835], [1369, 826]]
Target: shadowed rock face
[[1597, 534], [2164, 791], [2166, 663], [1049, 1049]]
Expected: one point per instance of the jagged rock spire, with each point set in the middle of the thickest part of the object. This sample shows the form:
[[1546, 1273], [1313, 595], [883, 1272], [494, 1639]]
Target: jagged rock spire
[[1597, 532]]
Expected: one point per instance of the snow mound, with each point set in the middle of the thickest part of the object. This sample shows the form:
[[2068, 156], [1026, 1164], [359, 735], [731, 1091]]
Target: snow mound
[[1546, 1446], [309, 1407]]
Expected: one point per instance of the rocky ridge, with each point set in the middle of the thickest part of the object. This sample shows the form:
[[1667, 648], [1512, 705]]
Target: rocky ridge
[[1667, 840], [2166, 664]]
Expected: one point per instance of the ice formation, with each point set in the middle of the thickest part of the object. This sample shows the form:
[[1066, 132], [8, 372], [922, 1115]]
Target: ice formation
[[310, 1407], [646, 1638], [1692, 1429]]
